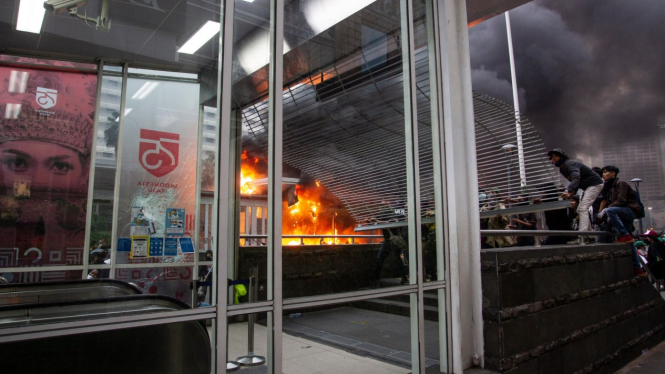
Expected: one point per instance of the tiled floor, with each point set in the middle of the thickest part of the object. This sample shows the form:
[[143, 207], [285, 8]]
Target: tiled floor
[[302, 356]]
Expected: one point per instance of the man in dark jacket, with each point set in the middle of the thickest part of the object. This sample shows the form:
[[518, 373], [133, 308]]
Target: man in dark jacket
[[580, 177], [619, 203], [655, 254]]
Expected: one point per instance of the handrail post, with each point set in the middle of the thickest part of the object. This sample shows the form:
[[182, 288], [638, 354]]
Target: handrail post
[[253, 293]]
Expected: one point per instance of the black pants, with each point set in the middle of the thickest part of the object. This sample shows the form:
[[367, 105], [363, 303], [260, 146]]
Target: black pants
[[384, 252]]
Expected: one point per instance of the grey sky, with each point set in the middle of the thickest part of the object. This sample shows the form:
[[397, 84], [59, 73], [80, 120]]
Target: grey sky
[[585, 69]]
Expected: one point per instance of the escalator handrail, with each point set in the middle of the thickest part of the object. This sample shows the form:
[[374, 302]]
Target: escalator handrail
[[8, 288]]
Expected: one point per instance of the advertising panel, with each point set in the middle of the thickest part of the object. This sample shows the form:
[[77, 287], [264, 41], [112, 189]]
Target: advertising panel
[[46, 129], [157, 198]]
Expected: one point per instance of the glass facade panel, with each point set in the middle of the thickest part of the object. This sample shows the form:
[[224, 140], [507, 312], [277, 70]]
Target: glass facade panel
[[47, 119], [344, 147], [101, 223], [250, 130], [369, 336], [248, 341], [114, 174]]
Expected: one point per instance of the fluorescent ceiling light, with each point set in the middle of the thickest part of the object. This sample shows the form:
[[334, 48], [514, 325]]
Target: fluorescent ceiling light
[[196, 41], [144, 91], [30, 16], [249, 1]]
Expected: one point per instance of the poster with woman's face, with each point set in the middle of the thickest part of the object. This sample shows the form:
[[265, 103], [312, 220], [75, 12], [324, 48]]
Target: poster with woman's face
[[46, 129]]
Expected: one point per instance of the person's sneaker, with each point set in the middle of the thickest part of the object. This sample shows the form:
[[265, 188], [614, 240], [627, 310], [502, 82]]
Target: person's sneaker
[[574, 242], [625, 239], [639, 272], [405, 280]]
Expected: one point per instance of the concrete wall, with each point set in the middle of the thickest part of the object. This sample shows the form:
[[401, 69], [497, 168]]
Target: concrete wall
[[319, 269], [567, 309]]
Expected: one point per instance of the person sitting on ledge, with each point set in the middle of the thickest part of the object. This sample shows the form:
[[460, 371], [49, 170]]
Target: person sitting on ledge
[[619, 204]]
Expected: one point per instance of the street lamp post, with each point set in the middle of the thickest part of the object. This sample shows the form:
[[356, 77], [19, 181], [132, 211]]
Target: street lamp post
[[637, 181], [650, 219], [508, 149], [516, 103]]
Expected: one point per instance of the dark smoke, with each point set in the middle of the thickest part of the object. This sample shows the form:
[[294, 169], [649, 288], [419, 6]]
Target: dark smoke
[[586, 70]]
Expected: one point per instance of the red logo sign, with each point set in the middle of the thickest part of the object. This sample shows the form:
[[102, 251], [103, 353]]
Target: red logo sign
[[158, 152]]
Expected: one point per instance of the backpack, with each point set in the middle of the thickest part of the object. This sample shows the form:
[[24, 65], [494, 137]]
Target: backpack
[[396, 241], [641, 213]]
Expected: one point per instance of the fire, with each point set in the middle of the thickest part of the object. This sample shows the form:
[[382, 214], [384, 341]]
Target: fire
[[248, 173], [316, 212], [245, 184]]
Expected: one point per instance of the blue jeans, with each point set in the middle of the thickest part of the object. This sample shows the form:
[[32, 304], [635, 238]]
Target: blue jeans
[[621, 218], [636, 260]]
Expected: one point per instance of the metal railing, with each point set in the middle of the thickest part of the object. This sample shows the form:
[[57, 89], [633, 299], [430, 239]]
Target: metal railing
[[538, 233], [302, 238], [535, 233]]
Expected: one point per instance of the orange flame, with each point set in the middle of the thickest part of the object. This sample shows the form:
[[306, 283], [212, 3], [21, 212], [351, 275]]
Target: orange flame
[[248, 173], [317, 212]]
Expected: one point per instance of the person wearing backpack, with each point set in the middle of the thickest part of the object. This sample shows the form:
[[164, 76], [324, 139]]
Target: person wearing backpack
[[620, 203], [394, 241]]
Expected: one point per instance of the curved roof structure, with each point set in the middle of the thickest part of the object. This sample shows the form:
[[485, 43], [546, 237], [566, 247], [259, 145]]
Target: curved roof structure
[[345, 127]]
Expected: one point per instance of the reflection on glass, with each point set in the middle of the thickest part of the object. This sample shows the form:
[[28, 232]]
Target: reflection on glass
[[434, 360], [158, 183], [344, 148], [45, 148], [251, 55], [104, 181], [169, 281]]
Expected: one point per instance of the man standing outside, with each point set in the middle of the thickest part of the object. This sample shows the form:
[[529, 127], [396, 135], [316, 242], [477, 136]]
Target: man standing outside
[[619, 203], [580, 177]]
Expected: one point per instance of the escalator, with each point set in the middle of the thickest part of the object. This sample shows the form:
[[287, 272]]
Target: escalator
[[30, 293], [179, 347]]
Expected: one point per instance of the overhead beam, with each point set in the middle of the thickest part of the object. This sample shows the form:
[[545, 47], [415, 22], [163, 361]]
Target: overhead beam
[[481, 10]]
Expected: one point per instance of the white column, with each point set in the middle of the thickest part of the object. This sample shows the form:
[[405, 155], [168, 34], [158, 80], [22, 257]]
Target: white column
[[225, 189], [206, 227], [463, 224]]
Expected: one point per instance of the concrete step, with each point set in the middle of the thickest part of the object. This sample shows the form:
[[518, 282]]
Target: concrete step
[[396, 307], [429, 299]]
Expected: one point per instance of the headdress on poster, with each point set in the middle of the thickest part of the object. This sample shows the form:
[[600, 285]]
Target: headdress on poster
[[45, 108]]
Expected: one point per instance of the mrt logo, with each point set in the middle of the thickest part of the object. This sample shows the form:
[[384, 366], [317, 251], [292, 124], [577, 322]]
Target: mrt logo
[[158, 152]]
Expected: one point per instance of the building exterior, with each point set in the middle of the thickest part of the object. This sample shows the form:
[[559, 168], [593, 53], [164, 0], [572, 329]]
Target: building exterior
[[122, 143]]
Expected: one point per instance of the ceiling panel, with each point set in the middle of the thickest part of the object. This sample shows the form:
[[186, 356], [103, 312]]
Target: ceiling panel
[[156, 5], [150, 31], [125, 14]]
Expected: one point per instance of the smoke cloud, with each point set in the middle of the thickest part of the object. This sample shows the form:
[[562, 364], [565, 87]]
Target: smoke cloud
[[586, 70]]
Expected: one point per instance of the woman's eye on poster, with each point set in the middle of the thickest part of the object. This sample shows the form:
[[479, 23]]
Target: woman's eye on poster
[[46, 126]]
